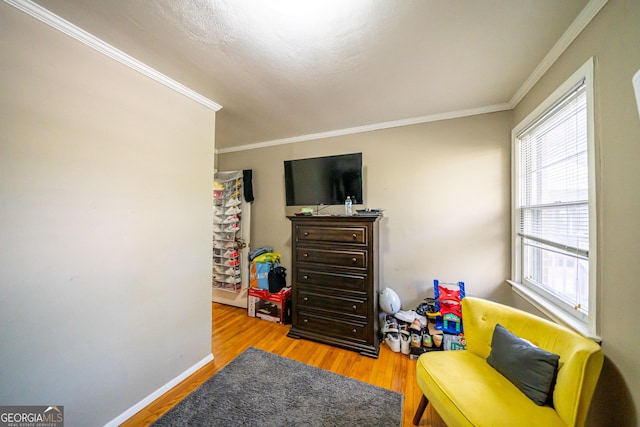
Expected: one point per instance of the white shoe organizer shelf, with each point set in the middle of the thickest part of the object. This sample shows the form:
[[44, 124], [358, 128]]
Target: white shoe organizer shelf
[[227, 210]]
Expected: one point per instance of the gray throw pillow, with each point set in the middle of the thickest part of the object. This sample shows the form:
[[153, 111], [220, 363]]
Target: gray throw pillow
[[530, 368]]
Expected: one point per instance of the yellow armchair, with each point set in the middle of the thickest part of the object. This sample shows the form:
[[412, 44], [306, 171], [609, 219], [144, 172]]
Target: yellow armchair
[[466, 391]]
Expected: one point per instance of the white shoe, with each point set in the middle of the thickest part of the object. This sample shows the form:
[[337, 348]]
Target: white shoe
[[234, 201], [416, 338], [410, 316], [231, 220], [218, 237], [218, 220], [231, 190], [231, 271], [405, 342], [390, 325], [233, 280], [393, 341], [232, 227], [233, 210], [231, 253]]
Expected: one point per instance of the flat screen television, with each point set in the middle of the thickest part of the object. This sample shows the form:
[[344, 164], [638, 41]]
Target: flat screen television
[[323, 180]]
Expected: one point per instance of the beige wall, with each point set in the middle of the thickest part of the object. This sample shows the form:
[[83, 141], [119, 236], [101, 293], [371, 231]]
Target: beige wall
[[105, 227], [613, 38], [445, 190]]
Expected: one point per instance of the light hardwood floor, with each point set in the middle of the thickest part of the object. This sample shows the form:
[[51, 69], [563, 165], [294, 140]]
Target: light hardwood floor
[[233, 331]]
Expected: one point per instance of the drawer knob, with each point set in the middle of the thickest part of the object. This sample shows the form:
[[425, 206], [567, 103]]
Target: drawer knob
[[355, 331], [306, 320], [305, 277], [355, 307], [305, 255], [306, 233], [305, 299], [354, 236], [354, 260]]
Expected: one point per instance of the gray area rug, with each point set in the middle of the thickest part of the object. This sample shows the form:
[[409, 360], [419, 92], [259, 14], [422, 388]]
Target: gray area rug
[[258, 388]]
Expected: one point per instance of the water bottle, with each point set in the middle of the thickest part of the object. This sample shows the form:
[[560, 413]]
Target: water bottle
[[347, 206]]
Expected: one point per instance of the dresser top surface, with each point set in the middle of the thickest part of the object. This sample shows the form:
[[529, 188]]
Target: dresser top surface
[[341, 218]]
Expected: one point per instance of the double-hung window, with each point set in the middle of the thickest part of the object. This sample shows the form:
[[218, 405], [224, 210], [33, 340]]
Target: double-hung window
[[554, 234]]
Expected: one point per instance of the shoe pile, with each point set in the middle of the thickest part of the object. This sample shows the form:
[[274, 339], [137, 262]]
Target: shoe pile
[[410, 333]]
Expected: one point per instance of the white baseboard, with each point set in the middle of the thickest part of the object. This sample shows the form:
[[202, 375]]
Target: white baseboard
[[156, 394]]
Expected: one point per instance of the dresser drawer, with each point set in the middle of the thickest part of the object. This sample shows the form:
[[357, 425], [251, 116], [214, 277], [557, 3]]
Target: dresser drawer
[[354, 331], [346, 234], [313, 300], [342, 258], [340, 281]]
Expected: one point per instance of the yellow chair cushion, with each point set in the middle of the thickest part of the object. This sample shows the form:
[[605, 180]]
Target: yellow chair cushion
[[467, 391]]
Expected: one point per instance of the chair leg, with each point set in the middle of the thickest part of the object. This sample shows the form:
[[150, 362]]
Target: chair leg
[[421, 407]]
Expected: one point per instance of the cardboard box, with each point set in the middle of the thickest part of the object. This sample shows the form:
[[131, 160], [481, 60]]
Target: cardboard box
[[274, 307], [454, 342]]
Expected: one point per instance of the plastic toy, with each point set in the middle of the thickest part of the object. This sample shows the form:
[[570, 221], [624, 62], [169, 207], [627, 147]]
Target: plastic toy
[[449, 311]]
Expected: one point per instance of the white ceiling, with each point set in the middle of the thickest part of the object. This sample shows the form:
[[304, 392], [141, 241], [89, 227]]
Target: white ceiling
[[288, 68]]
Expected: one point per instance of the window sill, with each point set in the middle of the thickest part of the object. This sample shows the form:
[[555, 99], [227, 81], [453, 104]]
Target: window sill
[[555, 314]]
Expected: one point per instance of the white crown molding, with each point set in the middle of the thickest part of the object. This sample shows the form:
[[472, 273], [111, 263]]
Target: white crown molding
[[369, 128], [82, 36], [582, 20]]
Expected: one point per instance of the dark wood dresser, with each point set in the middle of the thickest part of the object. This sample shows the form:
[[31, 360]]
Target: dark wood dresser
[[335, 281]]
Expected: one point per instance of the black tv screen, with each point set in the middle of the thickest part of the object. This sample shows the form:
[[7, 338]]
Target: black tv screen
[[323, 180]]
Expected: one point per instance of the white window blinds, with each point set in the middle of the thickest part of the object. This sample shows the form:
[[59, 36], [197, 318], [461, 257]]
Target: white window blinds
[[554, 200]]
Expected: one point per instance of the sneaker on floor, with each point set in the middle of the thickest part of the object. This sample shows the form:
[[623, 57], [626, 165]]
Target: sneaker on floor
[[390, 325], [393, 341], [416, 325], [409, 316], [417, 351], [406, 316], [437, 340], [427, 341], [405, 342], [416, 338]]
